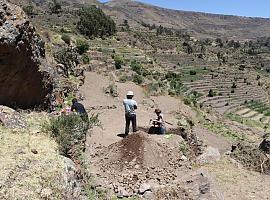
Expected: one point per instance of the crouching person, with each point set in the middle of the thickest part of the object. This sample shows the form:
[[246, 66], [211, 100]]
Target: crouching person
[[79, 108], [158, 124]]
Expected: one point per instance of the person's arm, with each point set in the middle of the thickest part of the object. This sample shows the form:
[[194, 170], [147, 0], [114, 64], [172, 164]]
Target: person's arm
[[72, 108], [135, 105]]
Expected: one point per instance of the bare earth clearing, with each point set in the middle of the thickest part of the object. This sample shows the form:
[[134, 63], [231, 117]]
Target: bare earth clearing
[[113, 161]]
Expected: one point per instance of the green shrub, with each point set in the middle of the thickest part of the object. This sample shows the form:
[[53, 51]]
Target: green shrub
[[68, 57], [29, 9], [123, 78], [118, 62], [94, 23], [112, 90], [139, 69], [184, 148], [66, 38], [138, 79], [187, 101], [82, 46], [211, 93], [234, 85], [192, 72], [85, 59], [69, 131], [136, 67], [55, 6]]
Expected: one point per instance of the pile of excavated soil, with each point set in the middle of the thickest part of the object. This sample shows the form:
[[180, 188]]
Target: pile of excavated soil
[[137, 159]]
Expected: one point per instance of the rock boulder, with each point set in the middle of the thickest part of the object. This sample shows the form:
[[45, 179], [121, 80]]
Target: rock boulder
[[25, 82]]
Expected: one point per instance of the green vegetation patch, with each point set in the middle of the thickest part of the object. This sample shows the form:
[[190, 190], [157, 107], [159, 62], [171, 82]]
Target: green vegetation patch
[[94, 23], [224, 130], [248, 122], [69, 131], [259, 107]]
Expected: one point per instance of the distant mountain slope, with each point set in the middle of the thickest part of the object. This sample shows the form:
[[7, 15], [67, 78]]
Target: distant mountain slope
[[201, 24], [63, 2]]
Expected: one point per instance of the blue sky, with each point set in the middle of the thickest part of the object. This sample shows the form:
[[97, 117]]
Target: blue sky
[[251, 8]]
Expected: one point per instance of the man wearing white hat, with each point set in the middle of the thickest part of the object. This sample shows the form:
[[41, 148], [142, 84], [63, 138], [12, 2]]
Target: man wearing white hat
[[130, 113]]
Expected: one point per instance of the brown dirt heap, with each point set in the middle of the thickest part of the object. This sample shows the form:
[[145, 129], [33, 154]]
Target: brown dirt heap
[[139, 158]]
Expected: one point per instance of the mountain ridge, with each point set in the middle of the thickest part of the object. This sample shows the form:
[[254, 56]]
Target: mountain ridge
[[200, 23]]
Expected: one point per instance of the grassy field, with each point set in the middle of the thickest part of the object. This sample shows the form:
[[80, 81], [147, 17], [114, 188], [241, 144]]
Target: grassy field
[[259, 107]]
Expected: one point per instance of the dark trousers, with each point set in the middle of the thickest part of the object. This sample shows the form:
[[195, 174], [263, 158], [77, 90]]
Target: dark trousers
[[131, 118]]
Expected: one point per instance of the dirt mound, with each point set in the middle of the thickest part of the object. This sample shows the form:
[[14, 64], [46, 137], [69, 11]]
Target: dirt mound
[[137, 159], [143, 150]]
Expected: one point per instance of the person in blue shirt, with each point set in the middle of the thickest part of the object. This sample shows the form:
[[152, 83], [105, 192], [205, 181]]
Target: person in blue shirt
[[130, 112]]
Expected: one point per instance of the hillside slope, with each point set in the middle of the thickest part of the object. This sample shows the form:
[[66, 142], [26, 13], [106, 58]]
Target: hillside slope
[[201, 24]]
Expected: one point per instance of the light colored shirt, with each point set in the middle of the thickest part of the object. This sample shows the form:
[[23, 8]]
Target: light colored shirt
[[160, 120], [130, 105]]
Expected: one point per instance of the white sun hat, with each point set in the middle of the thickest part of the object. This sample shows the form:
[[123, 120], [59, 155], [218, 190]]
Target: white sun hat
[[130, 93]]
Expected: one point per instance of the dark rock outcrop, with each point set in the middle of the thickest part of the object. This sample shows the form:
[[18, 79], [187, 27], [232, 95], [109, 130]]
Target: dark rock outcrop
[[23, 82], [265, 145]]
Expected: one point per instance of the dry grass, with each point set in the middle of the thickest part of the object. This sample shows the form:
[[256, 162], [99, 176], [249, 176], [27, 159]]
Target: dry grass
[[23, 174], [239, 183]]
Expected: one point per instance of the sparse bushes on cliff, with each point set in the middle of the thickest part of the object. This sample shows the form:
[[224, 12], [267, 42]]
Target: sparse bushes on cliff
[[94, 23], [68, 58], [69, 131]]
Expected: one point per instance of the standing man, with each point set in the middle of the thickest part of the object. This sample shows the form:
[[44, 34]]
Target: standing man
[[130, 113]]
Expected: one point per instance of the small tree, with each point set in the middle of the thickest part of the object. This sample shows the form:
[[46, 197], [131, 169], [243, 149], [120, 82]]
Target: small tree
[[126, 24], [234, 85], [118, 62], [211, 93], [55, 7], [82, 46], [192, 72], [94, 23], [138, 79], [29, 9]]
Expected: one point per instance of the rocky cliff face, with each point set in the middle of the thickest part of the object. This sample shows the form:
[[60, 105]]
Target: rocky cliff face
[[23, 83]]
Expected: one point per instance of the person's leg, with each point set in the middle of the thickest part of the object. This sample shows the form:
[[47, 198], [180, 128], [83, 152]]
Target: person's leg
[[127, 124], [134, 123], [161, 130]]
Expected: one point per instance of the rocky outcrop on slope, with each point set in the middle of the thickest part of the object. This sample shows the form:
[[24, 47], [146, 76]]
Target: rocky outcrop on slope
[[23, 82], [10, 118]]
